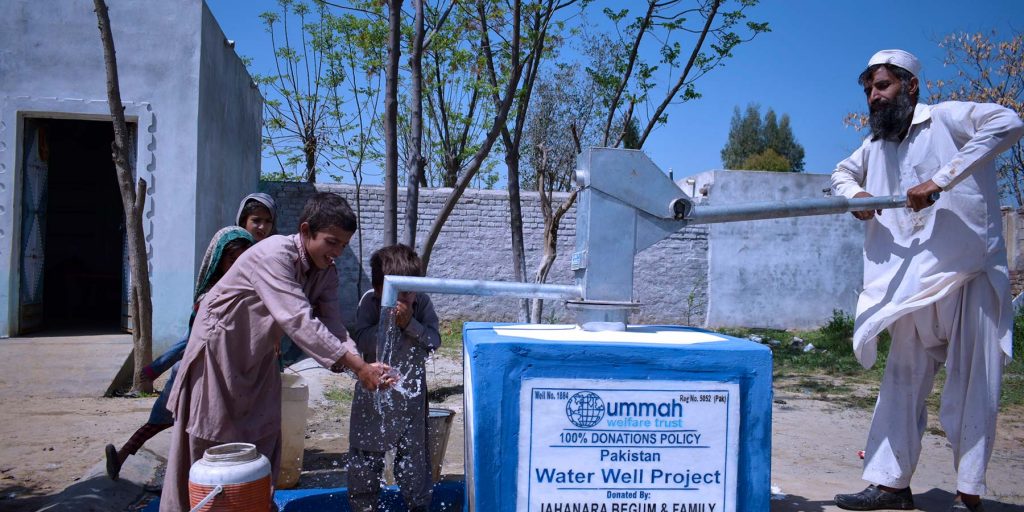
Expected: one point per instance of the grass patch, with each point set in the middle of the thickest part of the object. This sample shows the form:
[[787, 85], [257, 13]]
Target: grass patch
[[820, 385], [338, 395], [451, 339], [339, 400], [832, 354], [815, 371], [858, 401], [1013, 373]]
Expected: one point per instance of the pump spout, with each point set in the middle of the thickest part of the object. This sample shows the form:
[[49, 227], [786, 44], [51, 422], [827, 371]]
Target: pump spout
[[395, 284]]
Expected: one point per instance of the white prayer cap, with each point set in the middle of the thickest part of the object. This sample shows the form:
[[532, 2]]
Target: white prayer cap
[[898, 58]]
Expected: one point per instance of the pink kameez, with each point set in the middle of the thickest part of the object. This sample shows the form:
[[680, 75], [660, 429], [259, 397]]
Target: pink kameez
[[229, 385]]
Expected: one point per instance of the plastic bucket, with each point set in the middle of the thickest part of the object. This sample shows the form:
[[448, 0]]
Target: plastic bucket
[[439, 425], [294, 408], [242, 474]]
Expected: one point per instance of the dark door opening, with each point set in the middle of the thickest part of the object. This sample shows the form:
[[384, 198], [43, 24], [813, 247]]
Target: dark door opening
[[82, 223]]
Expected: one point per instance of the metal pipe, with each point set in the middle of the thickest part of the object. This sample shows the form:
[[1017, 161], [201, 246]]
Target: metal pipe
[[791, 208], [395, 284]]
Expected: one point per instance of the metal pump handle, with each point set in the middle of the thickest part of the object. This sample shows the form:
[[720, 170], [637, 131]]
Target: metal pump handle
[[794, 208]]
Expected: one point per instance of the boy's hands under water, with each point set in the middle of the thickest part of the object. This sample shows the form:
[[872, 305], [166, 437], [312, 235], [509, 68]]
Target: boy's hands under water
[[374, 376]]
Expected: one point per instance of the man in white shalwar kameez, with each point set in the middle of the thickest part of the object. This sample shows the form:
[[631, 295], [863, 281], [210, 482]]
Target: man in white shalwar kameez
[[935, 275]]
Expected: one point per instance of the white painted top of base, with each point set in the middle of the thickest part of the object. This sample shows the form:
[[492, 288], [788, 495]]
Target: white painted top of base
[[656, 334]]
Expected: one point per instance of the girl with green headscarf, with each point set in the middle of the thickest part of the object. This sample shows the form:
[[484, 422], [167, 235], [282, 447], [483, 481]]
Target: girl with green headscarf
[[225, 247]]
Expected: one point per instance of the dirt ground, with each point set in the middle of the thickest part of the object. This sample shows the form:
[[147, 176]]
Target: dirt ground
[[46, 444]]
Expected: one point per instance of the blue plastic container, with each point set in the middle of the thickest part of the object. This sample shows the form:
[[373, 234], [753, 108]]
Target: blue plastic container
[[448, 497]]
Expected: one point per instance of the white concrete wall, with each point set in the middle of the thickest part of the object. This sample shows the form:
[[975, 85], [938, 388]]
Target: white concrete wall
[[51, 65], [230, 124], [782, 273]]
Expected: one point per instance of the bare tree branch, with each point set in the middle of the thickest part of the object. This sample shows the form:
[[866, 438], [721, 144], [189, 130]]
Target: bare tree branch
[[133, 203]]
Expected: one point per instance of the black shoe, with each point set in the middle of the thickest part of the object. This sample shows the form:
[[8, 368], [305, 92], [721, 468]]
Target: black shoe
[[113, 462], [874, 498]]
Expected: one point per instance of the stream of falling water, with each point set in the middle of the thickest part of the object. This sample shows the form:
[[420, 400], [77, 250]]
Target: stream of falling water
[[388, 339]]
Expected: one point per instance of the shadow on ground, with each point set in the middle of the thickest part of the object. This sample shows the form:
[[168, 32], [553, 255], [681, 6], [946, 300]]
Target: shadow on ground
[[793, 503], [18, 498], [323, 469], [934, 500], [439, 394], [98, 493], [939, 500]]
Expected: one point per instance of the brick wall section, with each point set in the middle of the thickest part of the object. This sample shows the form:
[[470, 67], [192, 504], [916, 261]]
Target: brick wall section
[[670, 278]]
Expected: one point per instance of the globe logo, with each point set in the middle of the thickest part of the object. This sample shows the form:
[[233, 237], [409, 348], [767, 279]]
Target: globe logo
[[584, 409]]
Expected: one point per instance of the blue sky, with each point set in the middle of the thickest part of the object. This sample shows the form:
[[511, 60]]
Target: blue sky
[[806, 67]]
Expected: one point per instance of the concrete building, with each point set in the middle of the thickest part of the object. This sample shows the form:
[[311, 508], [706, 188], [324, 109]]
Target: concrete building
[[195, 117], [780, 273]]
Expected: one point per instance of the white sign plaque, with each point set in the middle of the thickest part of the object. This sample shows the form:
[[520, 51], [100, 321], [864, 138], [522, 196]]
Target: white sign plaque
[[588, 445]]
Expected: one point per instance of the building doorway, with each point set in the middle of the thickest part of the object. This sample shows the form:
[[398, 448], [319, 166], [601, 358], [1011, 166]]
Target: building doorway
[[72, 230]]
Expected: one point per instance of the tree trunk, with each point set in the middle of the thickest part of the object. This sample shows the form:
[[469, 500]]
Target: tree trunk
[[552, 219], [357, 180], [391, 123], [309, 150], [416, 162], [133, 204], [450, 177], [550, 252], [515, 208], [512, 139]]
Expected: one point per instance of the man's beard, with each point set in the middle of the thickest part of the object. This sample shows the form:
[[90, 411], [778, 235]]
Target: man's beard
[[890, 119]]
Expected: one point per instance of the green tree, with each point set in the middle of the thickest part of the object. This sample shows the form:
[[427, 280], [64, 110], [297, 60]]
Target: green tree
[[565, 113], [296, 125], [631, 134], [767, 160], [784, 142], [543, 36], [355, 65], [745, 137], [456, 105], [751, 138], [690, 39], [504, 63], [626, 95]]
